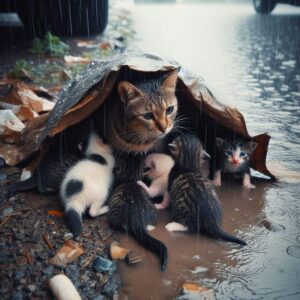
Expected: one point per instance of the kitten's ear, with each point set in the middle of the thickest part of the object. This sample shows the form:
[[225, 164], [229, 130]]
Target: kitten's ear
[[173, 148], [252, 146], [219, 142], [169, 83], [128, 91]]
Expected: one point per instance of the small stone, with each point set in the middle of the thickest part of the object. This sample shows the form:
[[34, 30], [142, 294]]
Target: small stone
[[48, 271], [102, 264], [84, 278], [117, 252], [7, 211], [113, 285], [100, 297], [199, 270], [68, 236], [196, 257], [31, 287], [18, 296], [133, 257]]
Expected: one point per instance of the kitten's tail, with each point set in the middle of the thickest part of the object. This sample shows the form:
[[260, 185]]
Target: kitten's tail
[[156, 246], [74, 219], [222, 235]]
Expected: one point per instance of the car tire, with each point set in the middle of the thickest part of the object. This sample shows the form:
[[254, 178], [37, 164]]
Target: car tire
[[63, 18], [264, 6]]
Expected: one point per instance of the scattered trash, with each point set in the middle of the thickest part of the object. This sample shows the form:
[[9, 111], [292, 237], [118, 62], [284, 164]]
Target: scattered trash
[[7, 211], [269, 225], [76, 59], [199, 270], [62, 288], [133, 257], [192, 291], [117, 252], [68, 253], [101, 264], [56, 213]]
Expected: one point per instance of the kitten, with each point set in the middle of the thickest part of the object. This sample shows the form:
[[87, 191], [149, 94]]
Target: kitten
[[86, 185], [49, 174], [234, 157], [194, 203], [130, 209], [159, 166]]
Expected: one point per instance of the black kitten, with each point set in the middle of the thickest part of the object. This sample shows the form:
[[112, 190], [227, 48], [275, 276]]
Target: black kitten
[[194, 203]]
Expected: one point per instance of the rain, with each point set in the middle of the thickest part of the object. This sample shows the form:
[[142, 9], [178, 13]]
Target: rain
[[58, 59]]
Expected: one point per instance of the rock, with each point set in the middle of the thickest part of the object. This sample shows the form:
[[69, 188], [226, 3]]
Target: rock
[[112, 286], [101, 264], [68, 236], [5, 256], [269, 225], [31, 287], [18, 296], [19, 274], [48, 271], [133, 257], [68, 253], [7, 211], [117, 252], [100, 297], [192, 290], [62, 288]]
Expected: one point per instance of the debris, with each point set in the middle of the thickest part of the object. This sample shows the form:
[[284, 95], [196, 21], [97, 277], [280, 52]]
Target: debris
[[196, 257], [65, 75], [48, 271], [56, 213], [9, 123], [31, 287], [46, 239], [271, 226], [133, 257], [199, 270], [62, 288], [7, 211], [101, 264], [112, 286], [117, 252], [69, 59], [29, 258], [68, 236], [192, 290], [68, 253]]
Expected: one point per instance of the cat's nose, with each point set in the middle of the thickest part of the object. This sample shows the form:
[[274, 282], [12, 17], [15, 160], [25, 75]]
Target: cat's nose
[[162, 127], [235, 160]]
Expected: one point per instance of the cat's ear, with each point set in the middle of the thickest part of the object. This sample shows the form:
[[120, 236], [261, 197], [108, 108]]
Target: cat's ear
[[252, 146], [128, 91], [169, 83], [205, 155], [173, 148], [219, 142]]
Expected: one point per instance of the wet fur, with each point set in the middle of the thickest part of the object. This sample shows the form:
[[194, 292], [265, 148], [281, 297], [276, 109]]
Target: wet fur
[[194, 202], [86, 185], [234, 163], [130, 209]]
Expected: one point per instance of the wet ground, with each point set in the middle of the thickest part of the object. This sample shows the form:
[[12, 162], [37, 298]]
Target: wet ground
[[253, 63], [248, 61]]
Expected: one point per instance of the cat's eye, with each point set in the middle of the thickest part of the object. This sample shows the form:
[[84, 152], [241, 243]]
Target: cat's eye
[[243, 154], [169, 110], [148, 116], [228, 153]]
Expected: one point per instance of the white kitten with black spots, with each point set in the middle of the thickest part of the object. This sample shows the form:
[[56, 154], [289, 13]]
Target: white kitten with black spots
[[86, 185]]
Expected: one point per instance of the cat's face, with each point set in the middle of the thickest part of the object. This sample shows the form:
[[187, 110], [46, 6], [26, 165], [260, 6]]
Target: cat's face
[[187, 151], [150, 109], [235, 154]]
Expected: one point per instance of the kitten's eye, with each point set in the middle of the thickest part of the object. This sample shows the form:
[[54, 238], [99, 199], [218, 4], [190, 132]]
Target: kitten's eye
[[228, 153], [243, 154], [148, 116], [169, 110]]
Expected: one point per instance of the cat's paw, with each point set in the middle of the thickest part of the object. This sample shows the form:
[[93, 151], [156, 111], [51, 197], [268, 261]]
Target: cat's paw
[[150, 227], [174, 226], [159, 206], [248, 186], [216, 182]]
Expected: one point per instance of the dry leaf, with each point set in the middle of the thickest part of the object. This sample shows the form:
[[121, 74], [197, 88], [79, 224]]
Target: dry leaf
[[117, 252]]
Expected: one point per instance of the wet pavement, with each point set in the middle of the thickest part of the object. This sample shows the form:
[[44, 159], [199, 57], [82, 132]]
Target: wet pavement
[[253, 63]]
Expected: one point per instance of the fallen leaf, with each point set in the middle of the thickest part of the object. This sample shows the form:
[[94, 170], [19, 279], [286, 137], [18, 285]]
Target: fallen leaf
[[56, 213]]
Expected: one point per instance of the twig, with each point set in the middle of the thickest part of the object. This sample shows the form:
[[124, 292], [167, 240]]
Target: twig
[[46, 239], [5, 220]]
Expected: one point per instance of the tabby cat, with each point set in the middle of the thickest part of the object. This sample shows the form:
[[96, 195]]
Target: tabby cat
[[194, 204], [233, 157], [144, 116]]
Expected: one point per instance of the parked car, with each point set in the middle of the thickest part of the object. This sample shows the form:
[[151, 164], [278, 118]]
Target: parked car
[[61, 17], [266, 6]]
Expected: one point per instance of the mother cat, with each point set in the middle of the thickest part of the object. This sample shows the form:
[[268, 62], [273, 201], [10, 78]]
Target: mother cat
[[141, 119]]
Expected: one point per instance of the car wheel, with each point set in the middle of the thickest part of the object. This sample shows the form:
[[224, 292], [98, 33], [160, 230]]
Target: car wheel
[[63, 18], [264, 6]]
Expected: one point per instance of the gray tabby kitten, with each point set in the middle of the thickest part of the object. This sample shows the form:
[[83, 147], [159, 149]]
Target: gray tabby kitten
[[194, 203], [233, 157]]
